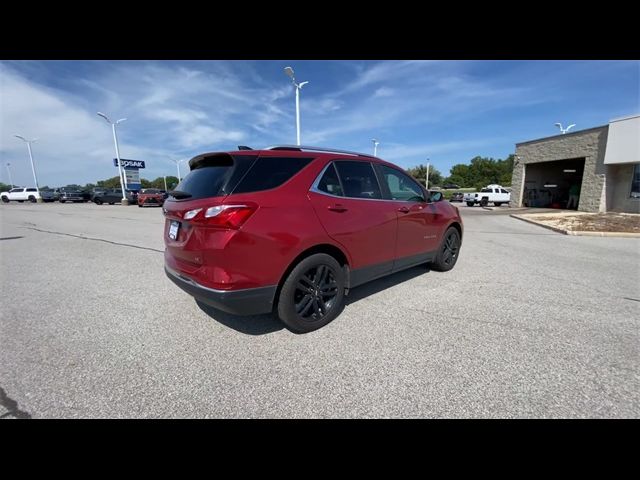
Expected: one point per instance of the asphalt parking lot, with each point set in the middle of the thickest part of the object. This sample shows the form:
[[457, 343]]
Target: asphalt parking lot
[[530, 323]]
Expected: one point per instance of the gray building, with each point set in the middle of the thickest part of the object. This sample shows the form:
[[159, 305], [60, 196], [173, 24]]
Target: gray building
[[598, 167]]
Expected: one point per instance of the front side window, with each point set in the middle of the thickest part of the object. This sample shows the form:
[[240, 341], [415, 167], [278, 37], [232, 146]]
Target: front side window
[[358, 180], [15, 190], [486, 190], [401, 186], [635, 181]]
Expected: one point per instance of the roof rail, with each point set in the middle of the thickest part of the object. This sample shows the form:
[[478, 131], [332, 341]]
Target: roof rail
[[305, 148]]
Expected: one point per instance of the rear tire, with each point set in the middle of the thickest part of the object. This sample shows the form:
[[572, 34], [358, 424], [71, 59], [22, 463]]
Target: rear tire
[[470, 204], [312, 295], [140, 205], [497, 204], [32, 199], [448, 252]]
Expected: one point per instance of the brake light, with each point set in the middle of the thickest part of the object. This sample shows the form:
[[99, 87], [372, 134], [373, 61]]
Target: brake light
[[224, 216]]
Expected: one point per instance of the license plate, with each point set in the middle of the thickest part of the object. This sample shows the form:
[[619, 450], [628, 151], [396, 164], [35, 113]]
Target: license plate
[[173, 230]]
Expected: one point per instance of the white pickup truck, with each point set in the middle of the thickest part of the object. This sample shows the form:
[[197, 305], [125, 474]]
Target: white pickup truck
[[21, 194], [495, 194]]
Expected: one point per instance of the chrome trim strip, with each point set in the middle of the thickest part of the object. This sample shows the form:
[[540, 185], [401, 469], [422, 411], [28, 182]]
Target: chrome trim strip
[[190, 281], [314, 189]]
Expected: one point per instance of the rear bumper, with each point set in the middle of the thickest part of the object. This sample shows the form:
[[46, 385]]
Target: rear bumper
[[251, 301]]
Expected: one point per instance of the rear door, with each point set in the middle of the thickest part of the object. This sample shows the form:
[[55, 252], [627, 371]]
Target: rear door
[[348, 201], [417, 233]]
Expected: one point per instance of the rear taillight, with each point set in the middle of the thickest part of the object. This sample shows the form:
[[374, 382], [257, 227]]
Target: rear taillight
[[223, 216]]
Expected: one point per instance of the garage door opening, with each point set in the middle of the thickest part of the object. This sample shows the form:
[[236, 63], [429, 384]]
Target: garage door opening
[[553, 184]]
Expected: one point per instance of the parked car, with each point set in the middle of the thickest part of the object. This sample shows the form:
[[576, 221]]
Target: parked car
[[113, 195], [450, 186], [457, 197], [150, 196], [491, 193], [49, 195], [20, 194], [292, 229], [71, 196]]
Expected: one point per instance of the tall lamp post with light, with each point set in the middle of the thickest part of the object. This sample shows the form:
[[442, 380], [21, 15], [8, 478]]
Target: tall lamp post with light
[[9, 172], [375, 147], [33, 168], [298, 86], [115, 141], [177, 162]]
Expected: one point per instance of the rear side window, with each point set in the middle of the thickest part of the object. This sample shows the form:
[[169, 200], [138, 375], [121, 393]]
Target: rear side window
[[358, 180], [213, 176], [502, 190], [270, 172], [31, 190], [329, 182]]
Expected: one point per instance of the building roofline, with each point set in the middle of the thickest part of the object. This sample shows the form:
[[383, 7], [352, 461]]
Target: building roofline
[[628, 117], [577, 132]]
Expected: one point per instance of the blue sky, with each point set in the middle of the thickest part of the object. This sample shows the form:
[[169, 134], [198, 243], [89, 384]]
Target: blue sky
[[447, 111]]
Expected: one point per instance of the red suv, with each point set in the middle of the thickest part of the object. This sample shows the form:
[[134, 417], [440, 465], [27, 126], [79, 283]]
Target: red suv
[[291, 229]]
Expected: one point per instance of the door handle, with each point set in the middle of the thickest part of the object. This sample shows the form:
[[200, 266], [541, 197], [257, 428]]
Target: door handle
[[337, 208], [404, 209]]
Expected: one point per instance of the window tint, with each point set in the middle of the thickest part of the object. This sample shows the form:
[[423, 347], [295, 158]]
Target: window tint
[[15, 190], [329, 182], [486, 190], [214, 176], [401, 186], [32, 189], [635, 181], [270, 172], [502, 190], [358, 180]]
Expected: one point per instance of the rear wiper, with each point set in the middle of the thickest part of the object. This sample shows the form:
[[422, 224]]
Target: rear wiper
[[179, 195]]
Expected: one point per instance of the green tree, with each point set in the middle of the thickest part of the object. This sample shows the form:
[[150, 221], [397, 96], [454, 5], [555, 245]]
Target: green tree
[[481, 172], [4, 187], [420, 174], [113, 182]]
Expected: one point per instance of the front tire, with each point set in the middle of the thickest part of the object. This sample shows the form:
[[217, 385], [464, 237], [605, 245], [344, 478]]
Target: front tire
[[470, 204], [448, 252], [5, 199], [312, 295]]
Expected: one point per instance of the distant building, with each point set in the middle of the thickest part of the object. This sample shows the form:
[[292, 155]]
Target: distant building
[[601, 165]]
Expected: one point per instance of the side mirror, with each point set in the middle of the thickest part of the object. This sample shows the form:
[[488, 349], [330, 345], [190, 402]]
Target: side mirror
[[435, 197]]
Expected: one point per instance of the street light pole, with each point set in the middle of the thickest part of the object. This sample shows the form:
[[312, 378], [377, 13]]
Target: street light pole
[[177, 162], [427, 180], [9, 172], [298, 86], [165, 182], [375, 147], [115, 141], [33, 168]]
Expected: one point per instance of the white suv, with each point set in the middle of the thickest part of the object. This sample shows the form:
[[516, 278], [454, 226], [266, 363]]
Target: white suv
[[21, 194]]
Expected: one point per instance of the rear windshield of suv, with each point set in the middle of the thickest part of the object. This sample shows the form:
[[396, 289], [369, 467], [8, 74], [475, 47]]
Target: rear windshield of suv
[[213, 176], [220, 175]]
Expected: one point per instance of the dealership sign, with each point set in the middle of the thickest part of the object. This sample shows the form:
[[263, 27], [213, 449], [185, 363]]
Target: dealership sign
[[129, 163], [131, 172]]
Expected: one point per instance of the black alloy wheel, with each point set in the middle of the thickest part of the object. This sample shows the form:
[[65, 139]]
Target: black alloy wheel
[[312, 294], [449, 251], [315, 293]]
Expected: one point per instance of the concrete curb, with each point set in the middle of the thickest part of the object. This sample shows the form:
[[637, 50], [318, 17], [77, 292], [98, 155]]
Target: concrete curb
[[576, 233]]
